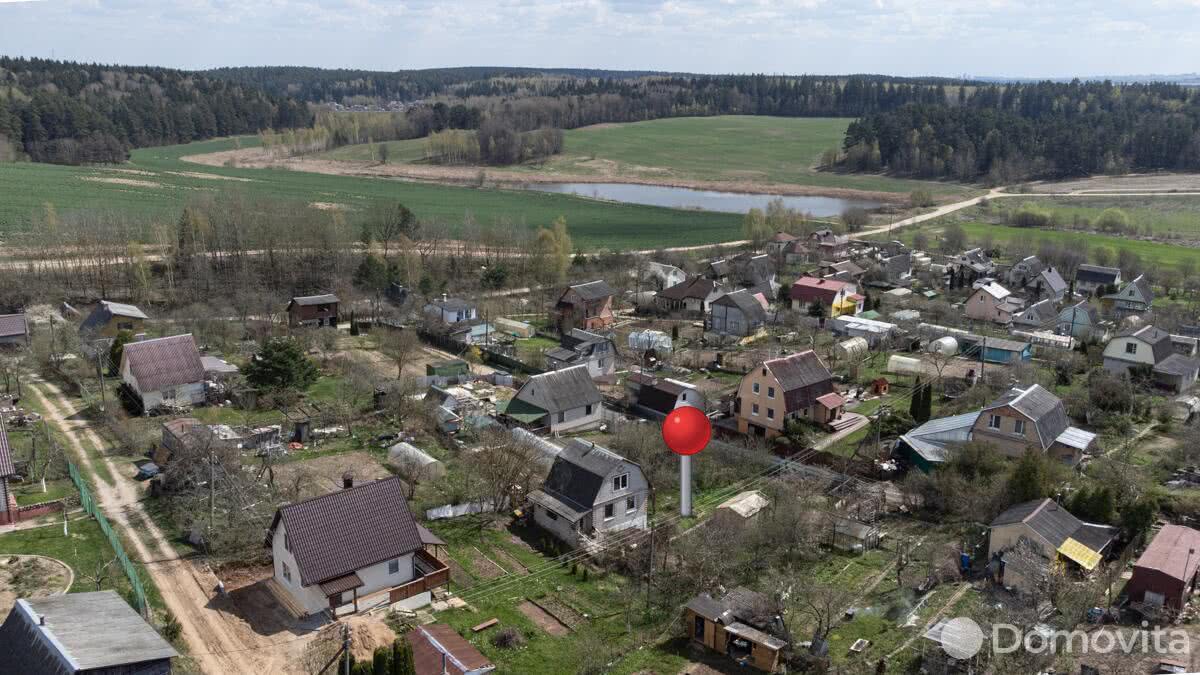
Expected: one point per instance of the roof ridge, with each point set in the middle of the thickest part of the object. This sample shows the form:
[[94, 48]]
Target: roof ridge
[[339, 492], [1045, 501], [158, 339]]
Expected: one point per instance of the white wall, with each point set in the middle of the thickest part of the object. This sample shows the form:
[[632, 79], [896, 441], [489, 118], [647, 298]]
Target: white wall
[[560, 527], [1118, 361], [575, 418], [636, 487]]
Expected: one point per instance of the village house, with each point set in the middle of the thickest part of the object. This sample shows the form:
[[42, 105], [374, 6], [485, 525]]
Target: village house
[[313, 311], [791, 387], [991, 302], [778, 243], [1027, 538], [754, 272], [1092, 278], [845, 270], [340, 548], [829, 246], [1032, 418], [834, 296], [557, 401], [8, 503], [14, 330], [1081, 321], [450, 310], [1049, 284], [580, 347], [741, 624], [1024, 271], [968, 267], [95, 633], [164, 371], [110, 318], [896, 269], [1134, 297], [1165, 574], [587, 306], [1151, 348], [740, 313], [691, 297], [438, 649], [660, 275], [1038, 315], [658, 396], [797, 251], [590, 491]]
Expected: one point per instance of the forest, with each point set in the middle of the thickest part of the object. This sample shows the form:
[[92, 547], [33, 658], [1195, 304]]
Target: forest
[[1013, 132], [74, 113]]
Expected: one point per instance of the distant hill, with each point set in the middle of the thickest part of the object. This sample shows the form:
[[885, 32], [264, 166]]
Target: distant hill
[[73, 113]]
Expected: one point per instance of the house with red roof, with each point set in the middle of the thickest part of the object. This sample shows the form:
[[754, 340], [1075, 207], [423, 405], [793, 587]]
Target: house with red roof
[[439, 650], [357, 546], [164, 371], [1165, 575], [836, 296]]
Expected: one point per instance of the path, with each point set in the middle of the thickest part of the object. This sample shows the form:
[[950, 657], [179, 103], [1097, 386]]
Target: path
[[936, 213], [212, 636]]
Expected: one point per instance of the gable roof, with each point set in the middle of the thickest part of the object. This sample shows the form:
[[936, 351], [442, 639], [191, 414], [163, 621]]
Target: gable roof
[[745, 301], [577, 338], [164, 362], [1177, 364], [6, 464], [1096, 274], [1032, 263], [1052, 281], [105, 311], [1074, 313], [430, 642], [1039, 313], [81, 632], [1158, 339], [305, 300], [592, 290], [450, 304], [697, 288], [576, 477], [1171, 553], [339, 533], [993, 289], [1045, 517], [802, 377], [1043, 408], [12, 325], [1144, 292], [559, 390]]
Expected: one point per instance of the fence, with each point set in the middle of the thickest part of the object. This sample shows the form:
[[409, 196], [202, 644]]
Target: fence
[[90, 506]]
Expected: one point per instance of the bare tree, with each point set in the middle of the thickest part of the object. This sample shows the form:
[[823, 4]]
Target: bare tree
[[401, 345]]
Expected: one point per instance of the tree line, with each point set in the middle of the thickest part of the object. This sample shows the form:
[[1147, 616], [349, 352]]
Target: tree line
[[1014, 132], [74, 113]]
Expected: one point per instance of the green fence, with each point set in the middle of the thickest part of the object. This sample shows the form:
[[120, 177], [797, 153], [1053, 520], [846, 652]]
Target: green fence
[[89, 505]]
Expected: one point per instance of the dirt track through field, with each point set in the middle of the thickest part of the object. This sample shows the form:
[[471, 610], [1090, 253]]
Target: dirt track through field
[[220, 643]]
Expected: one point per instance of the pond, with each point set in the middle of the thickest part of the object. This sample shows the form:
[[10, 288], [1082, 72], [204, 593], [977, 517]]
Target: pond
[[707, 200]]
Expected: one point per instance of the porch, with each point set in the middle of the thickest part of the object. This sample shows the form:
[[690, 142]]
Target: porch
[[344, 599]]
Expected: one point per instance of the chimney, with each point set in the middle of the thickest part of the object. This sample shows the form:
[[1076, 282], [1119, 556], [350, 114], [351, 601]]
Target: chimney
[[41, 619], [347, 480]]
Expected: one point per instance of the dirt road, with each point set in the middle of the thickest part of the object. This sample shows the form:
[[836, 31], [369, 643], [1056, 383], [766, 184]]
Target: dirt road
[[219, 642]]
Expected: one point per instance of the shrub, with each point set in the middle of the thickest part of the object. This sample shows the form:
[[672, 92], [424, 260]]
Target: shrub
[[509, 638], [920, 198], [1030, 215]]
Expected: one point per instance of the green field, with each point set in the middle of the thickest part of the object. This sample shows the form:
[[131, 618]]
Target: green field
[[1176, 217], [733, 148], [156, 184]]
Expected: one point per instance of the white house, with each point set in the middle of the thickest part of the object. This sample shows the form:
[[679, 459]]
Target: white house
[[450, 310], [581, 347], [164, 371], [1152, 348], [590, 491], [337, 549], [557, 401]]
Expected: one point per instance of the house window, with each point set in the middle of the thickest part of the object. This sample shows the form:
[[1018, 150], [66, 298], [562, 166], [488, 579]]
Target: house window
[[1019, 426], [631, 505], [700, 628], [756, 387], [770, 392], [603, 363], [754, 410], [394, 566], [168, 394], [551, 515], [587, 410], [770, 413], [620, 482], [994, 422], [287, 543], [124, 325], [562, 417], [608, 511], [1130, 347], [287, 573]]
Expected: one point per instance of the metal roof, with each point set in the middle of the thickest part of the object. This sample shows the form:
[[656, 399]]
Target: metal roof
[[1096, 274], [341, 584], [560, 390], [105, 311], [697, 288], [326, 299], [755, 635], [1174, 551], [1177, 364], [6, 463], [429, 644], [592, 290], [1076, 438], [164, 362], [13, 324], [1043, 408], [81, 632], [344, 531], [745, 301]]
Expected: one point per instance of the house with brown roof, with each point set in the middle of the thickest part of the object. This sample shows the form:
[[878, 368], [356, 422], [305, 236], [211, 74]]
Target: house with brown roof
[[1028, 538], [14, 330], [691, 297], [359, 545], [792, 387], [742, 624], [587, 306], [163, 371], [1165, 575], [313, 311], [8, 503], [439, 650]]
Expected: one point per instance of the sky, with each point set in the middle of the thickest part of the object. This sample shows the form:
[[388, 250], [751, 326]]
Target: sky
[[1016, 38]]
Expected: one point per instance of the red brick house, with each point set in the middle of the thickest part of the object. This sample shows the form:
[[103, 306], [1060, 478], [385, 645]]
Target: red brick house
[[587, 306], [313, 310]]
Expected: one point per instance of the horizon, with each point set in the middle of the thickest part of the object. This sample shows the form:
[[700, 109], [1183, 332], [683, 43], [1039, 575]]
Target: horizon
[[982, 39]]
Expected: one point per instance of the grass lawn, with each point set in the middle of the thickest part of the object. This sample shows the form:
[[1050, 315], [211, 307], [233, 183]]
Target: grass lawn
[[31, 492], [1164, 215], [733, 148], [83, 550], [166, 183]]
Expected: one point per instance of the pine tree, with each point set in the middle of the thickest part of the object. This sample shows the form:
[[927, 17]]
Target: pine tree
[[914, 402]]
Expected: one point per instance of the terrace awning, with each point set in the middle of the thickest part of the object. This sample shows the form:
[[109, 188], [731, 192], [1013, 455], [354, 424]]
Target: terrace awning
[[1084, 556]]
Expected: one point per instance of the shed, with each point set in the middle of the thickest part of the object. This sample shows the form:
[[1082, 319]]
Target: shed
[[1165, 574], [414, 463], [880, 386]]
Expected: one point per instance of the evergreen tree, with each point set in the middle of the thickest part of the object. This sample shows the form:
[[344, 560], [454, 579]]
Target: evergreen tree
[[914, 402], [281, 365], [1030, 479], [117, 349]]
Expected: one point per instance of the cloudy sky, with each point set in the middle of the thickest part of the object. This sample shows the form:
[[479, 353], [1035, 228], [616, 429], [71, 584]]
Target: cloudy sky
[[1050, 38]]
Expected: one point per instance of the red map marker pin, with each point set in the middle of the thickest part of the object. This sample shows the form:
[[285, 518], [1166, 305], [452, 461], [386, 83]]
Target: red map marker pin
[[686, 430]]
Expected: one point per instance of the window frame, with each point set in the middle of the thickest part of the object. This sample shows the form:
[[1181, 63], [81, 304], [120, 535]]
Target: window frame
[[394, 563], [610, 512], [754, 409], [1131, 347], [630, 504], [994, 422], [287, 572], [621, 482]]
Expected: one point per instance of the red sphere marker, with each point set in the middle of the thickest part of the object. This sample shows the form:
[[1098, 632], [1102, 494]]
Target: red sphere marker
[[686, 430]]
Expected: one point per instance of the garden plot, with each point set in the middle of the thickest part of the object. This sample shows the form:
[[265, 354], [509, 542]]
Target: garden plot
[[322, 475]]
